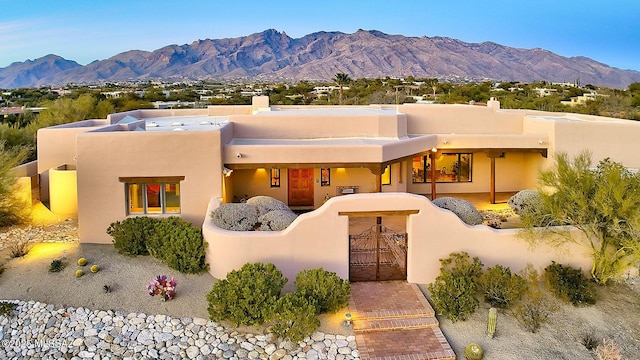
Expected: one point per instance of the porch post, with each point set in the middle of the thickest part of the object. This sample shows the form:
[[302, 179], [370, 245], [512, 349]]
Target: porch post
[[377, 171], [432, 164], [492, 190]]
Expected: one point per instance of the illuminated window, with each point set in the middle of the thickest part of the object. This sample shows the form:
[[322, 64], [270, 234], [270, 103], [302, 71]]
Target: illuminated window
[[153, 195], [275, 177], [453, 167], [386, 176]]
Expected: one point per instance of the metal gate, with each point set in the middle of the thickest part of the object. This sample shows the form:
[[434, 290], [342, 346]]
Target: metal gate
[[378, 254]]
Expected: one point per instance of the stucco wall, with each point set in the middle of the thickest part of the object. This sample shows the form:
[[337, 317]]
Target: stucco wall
[[433, 234], [107, 156]]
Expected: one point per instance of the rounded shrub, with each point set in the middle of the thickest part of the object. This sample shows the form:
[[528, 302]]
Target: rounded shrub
[[179, 244], [570, 284], [235, 216], [56, 265], [276, 220], [79, 273], [500, 287], [324, 289], [266, 204], [95, 268], [295, 318], [130, 236], [454, 290], [82, 262], [462, 208], [247, 296]]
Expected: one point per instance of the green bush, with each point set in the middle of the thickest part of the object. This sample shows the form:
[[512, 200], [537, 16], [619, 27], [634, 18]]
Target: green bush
[[500, 287], [454, 291], [570, 284], [172, 240], [56, 265], [536, 306], [179, 244], [6, 308], [325, 290], [131, 235], [295, 318], [247, 296]]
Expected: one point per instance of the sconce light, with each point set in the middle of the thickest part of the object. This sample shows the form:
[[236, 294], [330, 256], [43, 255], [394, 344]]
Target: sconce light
[[347, 319], [541, 142], [434, 149], [446, 142], [226, 171]]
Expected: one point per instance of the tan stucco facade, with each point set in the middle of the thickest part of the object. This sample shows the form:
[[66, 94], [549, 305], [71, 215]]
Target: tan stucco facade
[[188, 150]]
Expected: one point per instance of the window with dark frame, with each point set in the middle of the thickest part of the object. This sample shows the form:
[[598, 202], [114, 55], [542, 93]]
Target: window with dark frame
[[451, 167], [152, 195], [325, 176], [275, 177]]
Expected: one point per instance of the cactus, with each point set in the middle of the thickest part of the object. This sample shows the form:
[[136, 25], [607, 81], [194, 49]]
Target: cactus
[[79, 273], [95, 268], [473, 351], [493, 320], [82, 262]]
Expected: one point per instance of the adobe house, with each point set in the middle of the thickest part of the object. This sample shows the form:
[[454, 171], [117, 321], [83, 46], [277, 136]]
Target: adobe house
[[187, 162]]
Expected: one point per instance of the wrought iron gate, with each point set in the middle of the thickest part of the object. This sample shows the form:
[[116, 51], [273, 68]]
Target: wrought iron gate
[[378, 254]]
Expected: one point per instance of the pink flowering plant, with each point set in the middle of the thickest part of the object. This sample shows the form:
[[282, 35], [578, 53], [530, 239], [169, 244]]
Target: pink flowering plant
[[163, 286]]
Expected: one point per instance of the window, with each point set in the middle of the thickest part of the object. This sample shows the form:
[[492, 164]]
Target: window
[[325, 177], [454, 167], [153, 195], [386, 176], [275, 177]]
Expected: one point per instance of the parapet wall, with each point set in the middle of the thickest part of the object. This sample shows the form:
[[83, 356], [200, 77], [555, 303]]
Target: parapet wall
[[321, 239]]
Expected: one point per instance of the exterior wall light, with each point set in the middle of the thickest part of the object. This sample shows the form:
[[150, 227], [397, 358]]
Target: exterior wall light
[[434, 149], [226, 171], [541, 142], [446, 142]]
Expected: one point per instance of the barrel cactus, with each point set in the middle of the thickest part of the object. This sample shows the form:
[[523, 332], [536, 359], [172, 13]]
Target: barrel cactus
[[462, 208], [95, 268], [79, 273], [473, 351], [82, 262]]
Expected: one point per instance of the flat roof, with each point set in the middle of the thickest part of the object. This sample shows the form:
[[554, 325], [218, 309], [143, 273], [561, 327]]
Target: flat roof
[[182, 123], [316, 142]]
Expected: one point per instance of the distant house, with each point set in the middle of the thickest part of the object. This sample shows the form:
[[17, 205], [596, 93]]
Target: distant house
[[185, 162]]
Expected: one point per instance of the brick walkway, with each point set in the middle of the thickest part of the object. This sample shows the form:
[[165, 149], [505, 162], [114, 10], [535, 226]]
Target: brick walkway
[[393, 320]]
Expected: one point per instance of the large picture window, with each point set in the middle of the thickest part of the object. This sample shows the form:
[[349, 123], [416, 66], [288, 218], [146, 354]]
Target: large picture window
[[453, 167], [152, 195]]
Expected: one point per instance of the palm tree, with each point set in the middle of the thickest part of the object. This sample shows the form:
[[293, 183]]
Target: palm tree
[[341, 79]]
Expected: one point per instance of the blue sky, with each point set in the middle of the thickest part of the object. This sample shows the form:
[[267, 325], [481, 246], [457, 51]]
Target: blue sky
[[88, 30]]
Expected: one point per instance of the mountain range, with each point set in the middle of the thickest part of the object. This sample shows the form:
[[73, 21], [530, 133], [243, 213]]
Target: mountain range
[[273, 55]]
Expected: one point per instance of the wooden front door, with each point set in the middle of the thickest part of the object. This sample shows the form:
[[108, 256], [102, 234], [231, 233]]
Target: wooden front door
[[300, 187]]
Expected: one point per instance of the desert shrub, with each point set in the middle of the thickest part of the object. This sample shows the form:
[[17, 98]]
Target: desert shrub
[[608, 350], [589, 340], [454, 290], [235, 216], [266, 204], [462, 208], [19, 248], [179, 244], [276, 220], [324, 289], [295, 318], [536, 306], [570, 284], [500, 287], [6, 308], [130, 236], [56, 265], [524, 201], [13, 209], [247, 296]]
